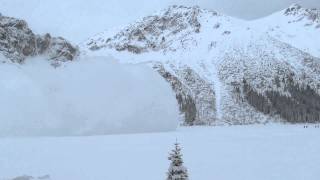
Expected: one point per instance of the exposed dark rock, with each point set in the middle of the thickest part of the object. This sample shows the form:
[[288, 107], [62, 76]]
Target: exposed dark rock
[[25, 177], [17, 42], [226, 32], [313, 15], [293, 9]]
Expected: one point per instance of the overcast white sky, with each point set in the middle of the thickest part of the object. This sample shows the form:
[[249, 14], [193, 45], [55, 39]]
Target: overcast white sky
[[79, 19]]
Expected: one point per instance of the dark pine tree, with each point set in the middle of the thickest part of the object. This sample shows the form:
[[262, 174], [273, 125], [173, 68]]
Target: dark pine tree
[[176, 170]]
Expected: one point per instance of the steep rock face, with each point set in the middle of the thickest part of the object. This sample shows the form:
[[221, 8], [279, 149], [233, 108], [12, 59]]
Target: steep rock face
[[300, 13], [223, 70], [17, 42]]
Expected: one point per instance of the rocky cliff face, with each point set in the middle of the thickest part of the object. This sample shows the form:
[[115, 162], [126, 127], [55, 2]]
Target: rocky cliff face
[[224, 70], [300, 13], [153, 33], [17, 42]]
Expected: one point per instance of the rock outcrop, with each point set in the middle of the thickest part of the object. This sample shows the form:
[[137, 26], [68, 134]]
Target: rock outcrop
[[17, 42], [301, 13]]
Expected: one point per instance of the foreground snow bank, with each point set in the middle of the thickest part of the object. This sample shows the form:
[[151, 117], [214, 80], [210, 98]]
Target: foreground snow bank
[[209, 153], [87, 97]]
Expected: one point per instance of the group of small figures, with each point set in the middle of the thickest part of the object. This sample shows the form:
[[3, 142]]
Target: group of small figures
[[315, 126]]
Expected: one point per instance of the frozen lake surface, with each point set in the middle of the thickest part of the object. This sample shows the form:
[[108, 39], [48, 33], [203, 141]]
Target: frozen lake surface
[[272, 152]]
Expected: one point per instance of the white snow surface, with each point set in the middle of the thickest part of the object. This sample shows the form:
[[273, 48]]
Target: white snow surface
[[90, 96], [297, 28], [274, 152]]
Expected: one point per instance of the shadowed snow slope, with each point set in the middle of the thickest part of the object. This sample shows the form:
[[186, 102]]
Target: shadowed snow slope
[[85, 97]]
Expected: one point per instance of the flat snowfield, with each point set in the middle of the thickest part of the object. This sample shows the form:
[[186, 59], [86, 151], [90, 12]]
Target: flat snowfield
[[273, 152]]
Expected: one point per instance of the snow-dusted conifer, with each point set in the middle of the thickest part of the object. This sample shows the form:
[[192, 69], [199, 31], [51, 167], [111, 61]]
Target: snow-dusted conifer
[[176, 170]]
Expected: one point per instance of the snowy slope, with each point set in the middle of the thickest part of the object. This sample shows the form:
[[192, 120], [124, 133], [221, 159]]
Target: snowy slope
[[227, 153], [223, 70], [297, 26]]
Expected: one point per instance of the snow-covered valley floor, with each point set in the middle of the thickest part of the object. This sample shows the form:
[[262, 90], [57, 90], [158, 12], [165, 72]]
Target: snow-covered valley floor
[[273, 152]]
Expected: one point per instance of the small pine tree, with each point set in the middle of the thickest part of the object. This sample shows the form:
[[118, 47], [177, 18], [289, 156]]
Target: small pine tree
[[176, 170]]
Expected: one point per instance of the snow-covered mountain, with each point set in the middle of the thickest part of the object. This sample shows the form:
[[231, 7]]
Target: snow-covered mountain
[[296, 26], [17, 42], [225, 70]]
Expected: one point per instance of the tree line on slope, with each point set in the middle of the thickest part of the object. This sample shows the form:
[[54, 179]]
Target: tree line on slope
[[302, 106]]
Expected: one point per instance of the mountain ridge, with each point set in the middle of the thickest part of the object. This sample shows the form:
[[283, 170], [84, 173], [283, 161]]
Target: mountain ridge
[[223, 70], [18, 42], [245, 68]]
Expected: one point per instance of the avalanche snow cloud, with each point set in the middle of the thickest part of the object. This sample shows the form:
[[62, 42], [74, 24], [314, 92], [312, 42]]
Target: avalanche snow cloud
[[89, 96]]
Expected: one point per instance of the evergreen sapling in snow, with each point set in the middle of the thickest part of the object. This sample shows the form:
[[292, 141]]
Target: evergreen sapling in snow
[[176, 170]]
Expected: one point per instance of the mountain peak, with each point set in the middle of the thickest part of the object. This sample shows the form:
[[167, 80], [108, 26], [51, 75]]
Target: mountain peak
[[182, 8], [293, 9], [17, 42], [297, 10], [158, 31], [299, 13]]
